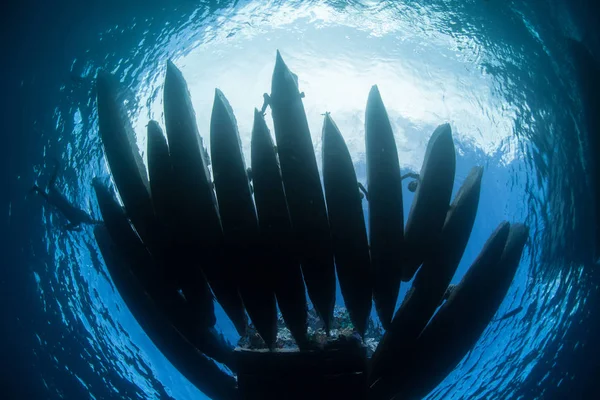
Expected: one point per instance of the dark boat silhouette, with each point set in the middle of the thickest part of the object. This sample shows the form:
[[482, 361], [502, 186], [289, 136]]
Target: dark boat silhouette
[[169, 256]]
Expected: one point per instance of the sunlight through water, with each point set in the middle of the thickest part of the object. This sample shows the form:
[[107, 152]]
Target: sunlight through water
[[468, 63]]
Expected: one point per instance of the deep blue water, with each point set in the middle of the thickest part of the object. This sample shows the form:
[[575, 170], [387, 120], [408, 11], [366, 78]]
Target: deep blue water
[[500, 72]]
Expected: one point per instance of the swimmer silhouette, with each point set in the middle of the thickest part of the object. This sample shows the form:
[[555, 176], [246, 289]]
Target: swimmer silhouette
[[74, 215], [412, 186], [509, 314]]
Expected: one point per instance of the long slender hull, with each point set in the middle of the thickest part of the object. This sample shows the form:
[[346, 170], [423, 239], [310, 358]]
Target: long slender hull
[[303, 190], [199, 226], [160, 172], [386, 218], [200, 370], [276, 231], [194, 321], [126, 165], [348, 231], [430, 205], [240, 223], [172, 246], [432, 280], [462, 319]]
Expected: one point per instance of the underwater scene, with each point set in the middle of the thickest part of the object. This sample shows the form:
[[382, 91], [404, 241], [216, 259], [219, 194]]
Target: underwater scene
[[301, 200]]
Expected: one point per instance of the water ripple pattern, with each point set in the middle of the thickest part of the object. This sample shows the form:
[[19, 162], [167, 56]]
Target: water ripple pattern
[[494, 70]]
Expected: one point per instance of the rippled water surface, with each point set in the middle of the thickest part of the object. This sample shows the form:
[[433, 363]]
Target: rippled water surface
[[498, 72]]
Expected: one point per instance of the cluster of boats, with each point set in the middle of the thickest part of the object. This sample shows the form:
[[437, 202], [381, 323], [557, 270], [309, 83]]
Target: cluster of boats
[[256, 236]]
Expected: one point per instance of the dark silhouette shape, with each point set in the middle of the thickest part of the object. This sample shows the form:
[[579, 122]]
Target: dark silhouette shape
[[126, 165], [276, 231], [293, 232], [193, 320], [199, 226], [240, 222], [303, 190], [459, 323], [412, 186], [266, 102], [449, 292], [509, 314], [428, 211], [200, 370], [348, 231], [363, 192], [386, 216], [431, 284], [54, 197]]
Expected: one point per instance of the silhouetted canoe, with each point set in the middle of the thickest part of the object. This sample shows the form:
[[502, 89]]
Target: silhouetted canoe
[[160, 171], [347, 221], [201, 371], [194, 321], [240, 224], [432, 280], [303, 190], [455, 329], [199, 227], [124, 159], [430, 205], [386, 218], [178, 271], [276, 231]]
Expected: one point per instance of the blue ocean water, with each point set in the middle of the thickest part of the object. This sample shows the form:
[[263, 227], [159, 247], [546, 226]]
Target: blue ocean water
[[501, 73]]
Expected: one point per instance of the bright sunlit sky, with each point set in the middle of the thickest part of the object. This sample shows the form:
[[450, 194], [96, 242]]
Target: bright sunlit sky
[[425, 77]]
